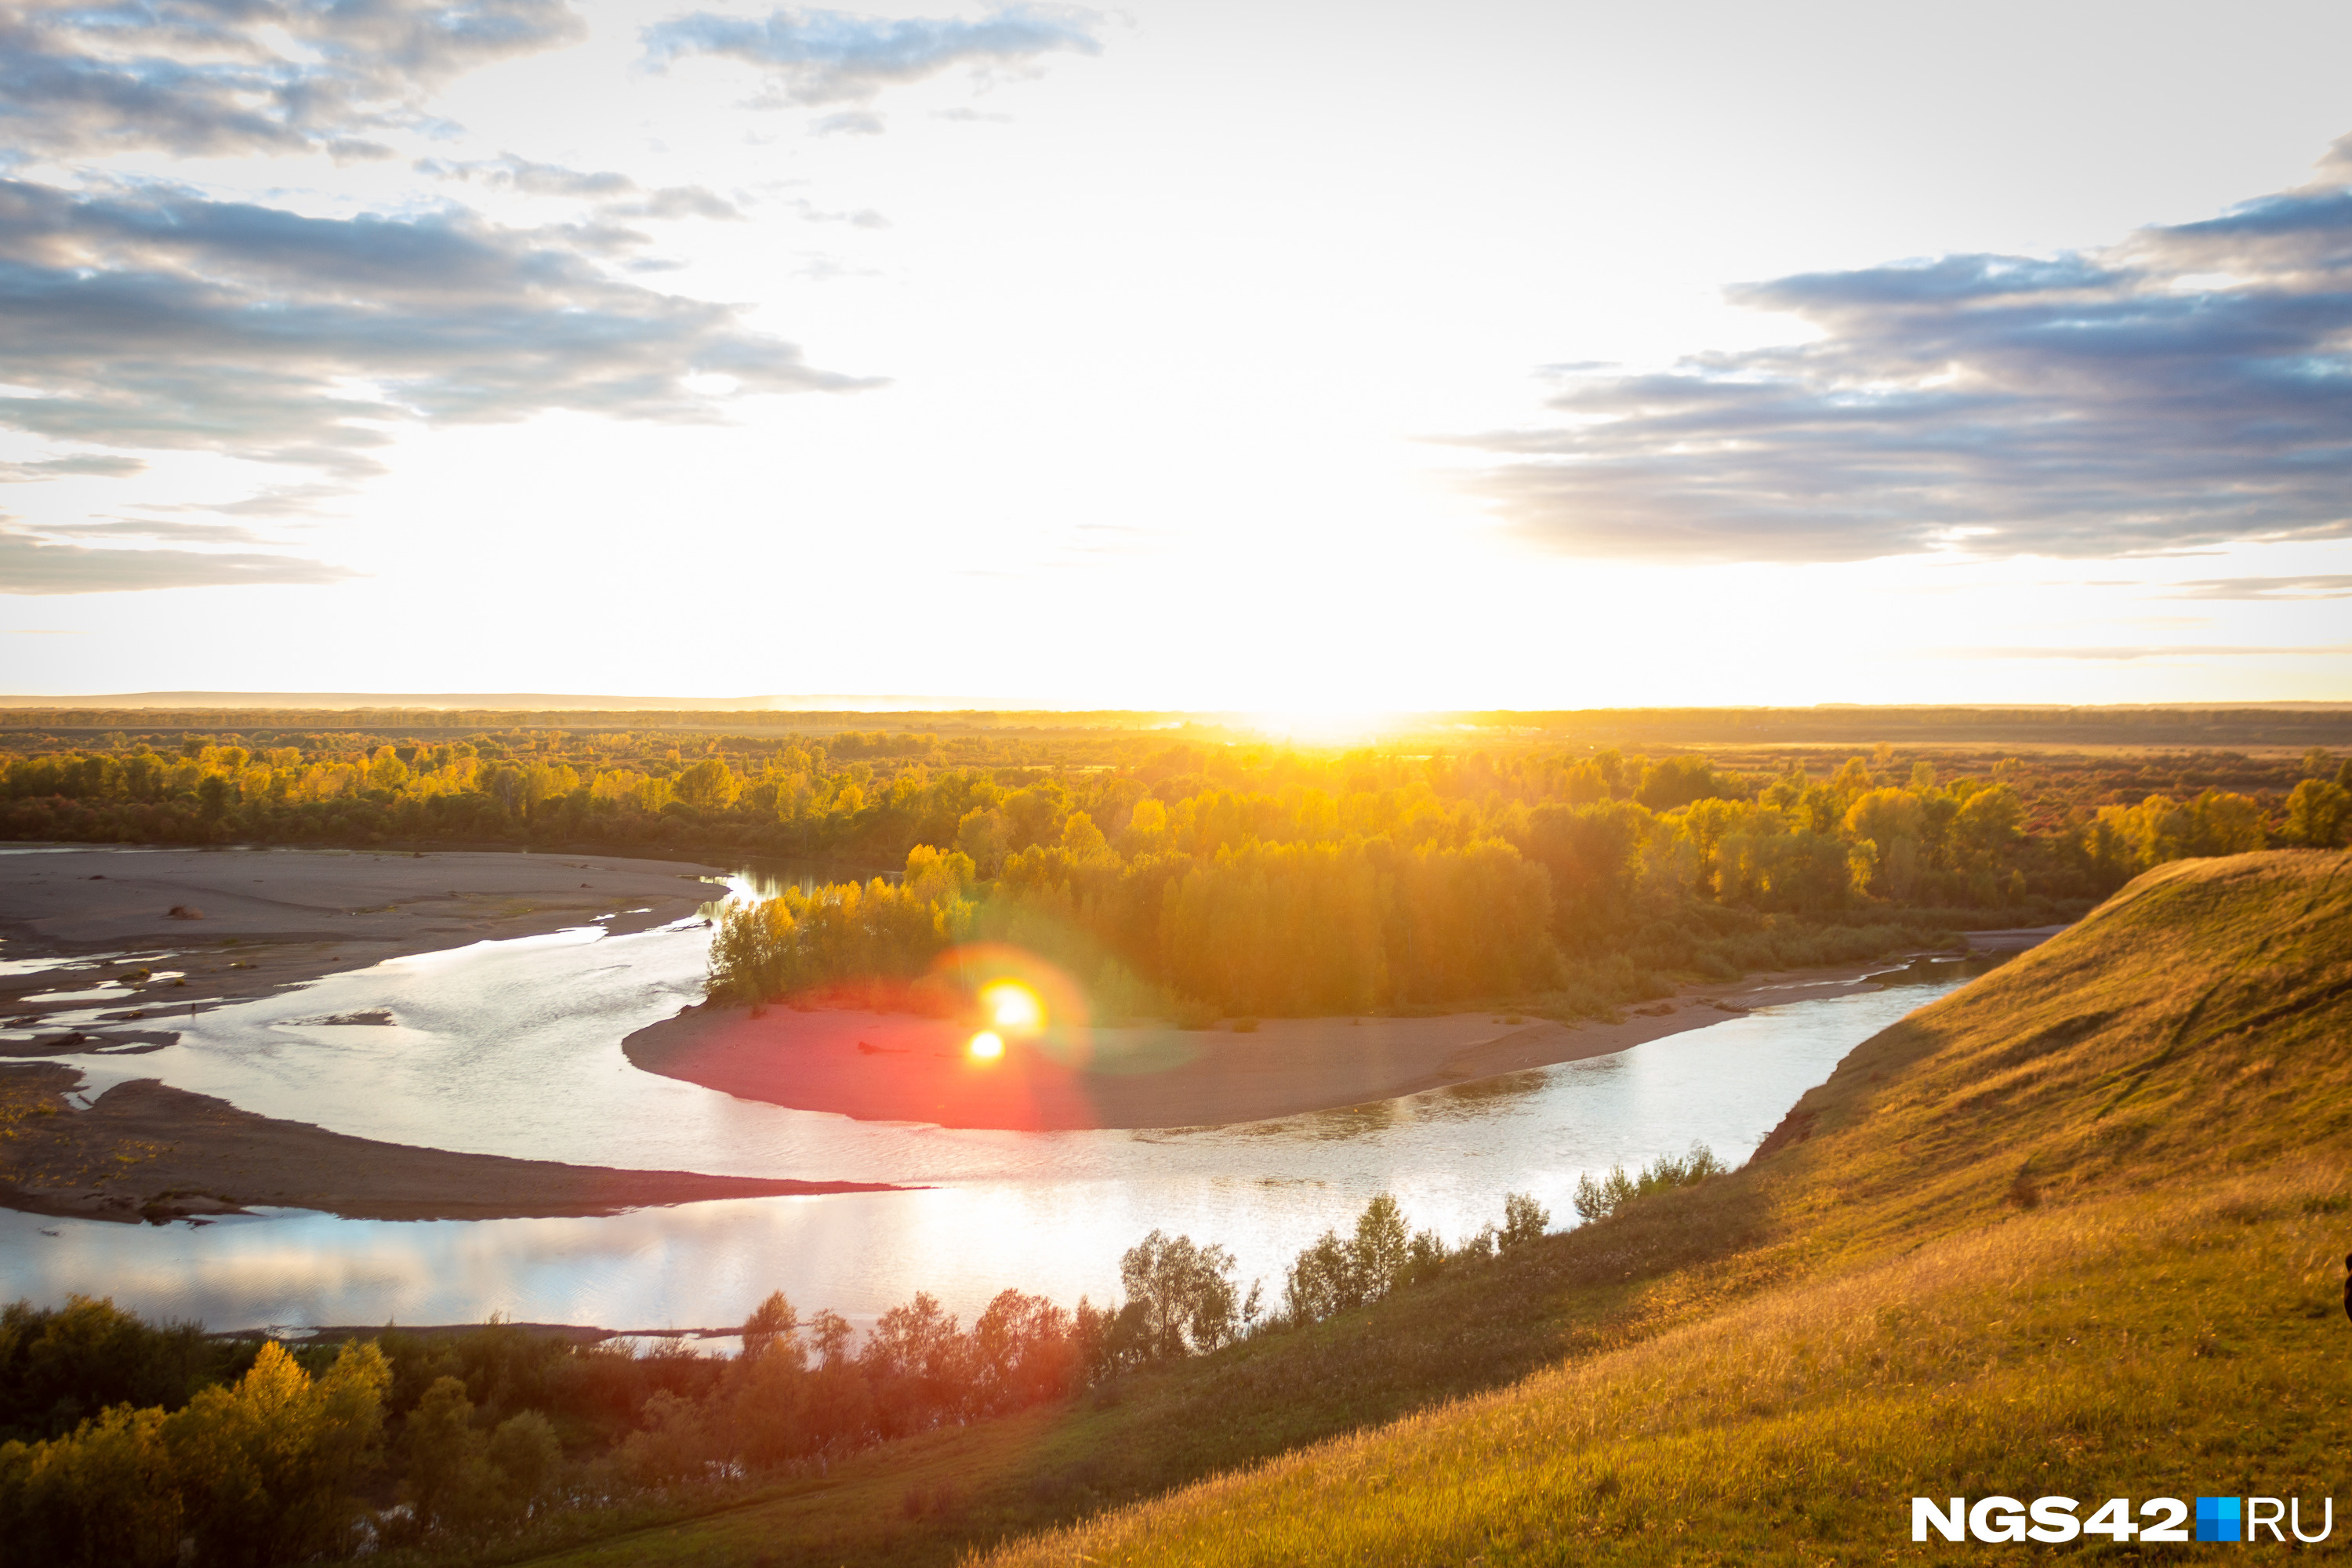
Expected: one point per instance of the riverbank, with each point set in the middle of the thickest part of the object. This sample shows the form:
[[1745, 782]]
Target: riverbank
[[144, 1150], [144, 936], [888, 1067]]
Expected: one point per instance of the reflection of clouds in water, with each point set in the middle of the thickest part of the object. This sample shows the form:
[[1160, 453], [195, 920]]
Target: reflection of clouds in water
[[1046, 1213]]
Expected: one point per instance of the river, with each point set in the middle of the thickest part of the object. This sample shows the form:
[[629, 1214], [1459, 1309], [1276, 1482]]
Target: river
[[513, 1047]]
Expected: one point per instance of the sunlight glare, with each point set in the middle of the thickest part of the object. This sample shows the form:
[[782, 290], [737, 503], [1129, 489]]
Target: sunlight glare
[[987, 1045], [1331, 727], [1012, 1006]]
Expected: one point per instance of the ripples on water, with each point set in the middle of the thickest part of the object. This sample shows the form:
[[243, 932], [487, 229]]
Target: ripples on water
[[513, 1047]]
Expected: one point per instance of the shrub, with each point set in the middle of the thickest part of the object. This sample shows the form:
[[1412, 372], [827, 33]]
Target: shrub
[[1599, 1200], [1524, 1220]]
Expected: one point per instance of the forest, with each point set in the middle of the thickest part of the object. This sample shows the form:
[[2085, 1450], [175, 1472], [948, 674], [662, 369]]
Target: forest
[[127, 1444], [1194, 881]]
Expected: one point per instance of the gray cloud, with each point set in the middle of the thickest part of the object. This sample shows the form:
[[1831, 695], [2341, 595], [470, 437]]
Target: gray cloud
[[152, 317], [863, 217], [210, 76], [2091, 404], [2321, 587], [617, 195], [830, 57], [850, 123], [93, 466], [36, 566], [673, 202], [150, 528]]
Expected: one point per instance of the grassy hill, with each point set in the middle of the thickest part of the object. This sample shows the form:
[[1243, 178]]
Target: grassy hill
[[2076, 1229]]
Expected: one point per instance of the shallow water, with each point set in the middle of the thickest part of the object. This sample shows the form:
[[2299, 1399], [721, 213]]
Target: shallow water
[[513, 1047]]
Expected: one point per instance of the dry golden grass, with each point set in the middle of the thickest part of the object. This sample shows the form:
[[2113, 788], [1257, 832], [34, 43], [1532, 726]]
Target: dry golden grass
[[2077, 1229]]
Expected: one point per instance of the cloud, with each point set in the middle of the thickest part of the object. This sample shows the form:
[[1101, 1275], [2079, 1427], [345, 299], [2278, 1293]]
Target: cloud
[[850, 123], [277, 500], [816, 57], [150, 528], [92, 466], [864, 217], [2272, 588], [153, 318], [220, 77], [617, 195], [2189, 385], [35, 566]]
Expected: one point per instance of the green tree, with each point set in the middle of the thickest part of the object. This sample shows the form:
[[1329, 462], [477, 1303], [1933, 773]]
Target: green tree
[[774, 1326], [1524, 1220], [937, 877], [1988, 825], [527, 1455], [213, 796], [449, 1483], [2317, 813], [103, 1496], [1184, 1294], [266, 1469], [1381, 1249], [709, 785]]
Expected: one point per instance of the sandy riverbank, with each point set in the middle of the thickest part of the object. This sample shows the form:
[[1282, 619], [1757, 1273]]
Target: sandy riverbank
[[259, 921], [881, 1067], [145, 1151]]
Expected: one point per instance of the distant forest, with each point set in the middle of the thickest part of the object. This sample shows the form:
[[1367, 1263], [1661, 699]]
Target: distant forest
[[1245, 878]]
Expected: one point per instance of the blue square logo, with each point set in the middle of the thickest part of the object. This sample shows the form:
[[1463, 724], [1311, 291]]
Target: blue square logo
[[2217, 1519]]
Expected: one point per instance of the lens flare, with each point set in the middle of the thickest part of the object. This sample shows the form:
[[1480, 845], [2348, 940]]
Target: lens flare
[[987, 1045], [1034, 1011], [1011, 1005]]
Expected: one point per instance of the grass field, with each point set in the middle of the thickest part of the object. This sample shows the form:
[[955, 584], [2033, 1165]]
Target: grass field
[[2077, 1229]]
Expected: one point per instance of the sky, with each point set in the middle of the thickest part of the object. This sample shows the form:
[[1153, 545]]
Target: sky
[[1277, 357]]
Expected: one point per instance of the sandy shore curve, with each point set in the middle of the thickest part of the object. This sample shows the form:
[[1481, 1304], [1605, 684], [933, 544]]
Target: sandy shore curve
[[889, 1067]]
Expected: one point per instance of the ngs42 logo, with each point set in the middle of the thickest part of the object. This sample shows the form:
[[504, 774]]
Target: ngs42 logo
[[2163, 1519]]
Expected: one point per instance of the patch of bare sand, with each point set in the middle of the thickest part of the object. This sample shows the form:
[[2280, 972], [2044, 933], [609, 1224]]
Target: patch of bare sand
[[254, 922], [880, 1066], [145, 1151]]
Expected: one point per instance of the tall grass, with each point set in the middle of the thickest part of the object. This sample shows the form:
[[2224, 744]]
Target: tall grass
[[2119, 1349], [2077, 1229]]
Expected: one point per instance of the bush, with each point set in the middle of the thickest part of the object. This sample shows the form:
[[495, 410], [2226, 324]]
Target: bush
[[60, 1366], [1337, 1276], [99, 1496], [1599, 1200]]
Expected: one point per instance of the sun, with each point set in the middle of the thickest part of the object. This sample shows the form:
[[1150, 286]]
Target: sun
[[987, 1045], [1328, 727]]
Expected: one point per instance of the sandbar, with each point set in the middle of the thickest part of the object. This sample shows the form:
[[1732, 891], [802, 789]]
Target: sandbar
[[889, 1067], [144, 1150], [255, 921]]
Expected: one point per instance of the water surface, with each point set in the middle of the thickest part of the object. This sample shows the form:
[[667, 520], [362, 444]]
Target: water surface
[[513, 1047]]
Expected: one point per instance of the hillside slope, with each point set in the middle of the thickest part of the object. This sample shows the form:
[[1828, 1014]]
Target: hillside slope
[[2076, 1229]]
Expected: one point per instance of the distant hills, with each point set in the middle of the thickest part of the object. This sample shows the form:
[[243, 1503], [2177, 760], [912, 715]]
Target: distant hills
[[2296, 725], [547, 701]]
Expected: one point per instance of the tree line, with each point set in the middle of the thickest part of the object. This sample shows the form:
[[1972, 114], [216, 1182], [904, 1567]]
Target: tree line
[[1314, 902], [1257, 880], [135, 1444]]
